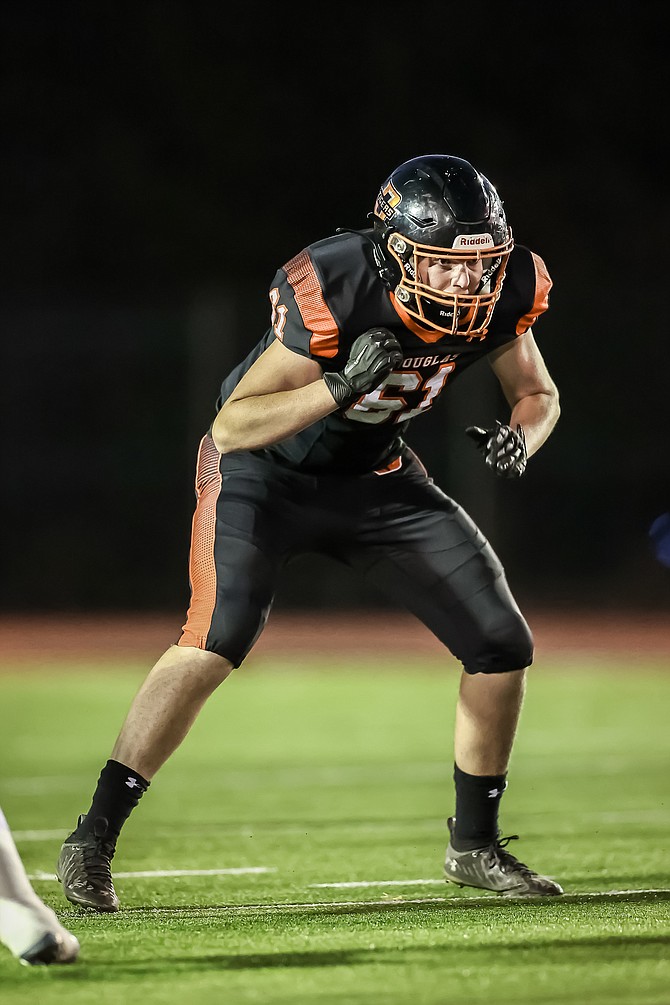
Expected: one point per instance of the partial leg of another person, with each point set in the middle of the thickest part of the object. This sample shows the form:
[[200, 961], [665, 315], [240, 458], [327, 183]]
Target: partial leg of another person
[[430, 557], [30, 930], [232, 584]]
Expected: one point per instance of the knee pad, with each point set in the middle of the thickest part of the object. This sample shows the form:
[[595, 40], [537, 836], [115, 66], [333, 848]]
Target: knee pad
[[504, 647]]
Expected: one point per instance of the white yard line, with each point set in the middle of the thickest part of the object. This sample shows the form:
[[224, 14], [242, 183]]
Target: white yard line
[[170, 873], [38, 835]]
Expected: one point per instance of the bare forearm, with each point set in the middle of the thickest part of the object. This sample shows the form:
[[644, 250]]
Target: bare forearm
[[261, 420], [538, 414]]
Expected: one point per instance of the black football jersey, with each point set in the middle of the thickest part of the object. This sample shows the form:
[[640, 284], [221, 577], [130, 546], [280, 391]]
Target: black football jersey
[[330, 293]]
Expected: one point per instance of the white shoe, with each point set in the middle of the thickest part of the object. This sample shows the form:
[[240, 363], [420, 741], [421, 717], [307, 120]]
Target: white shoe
[[33, 933]]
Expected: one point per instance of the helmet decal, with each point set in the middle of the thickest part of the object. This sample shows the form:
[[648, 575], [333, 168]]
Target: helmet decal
[[387, 200]]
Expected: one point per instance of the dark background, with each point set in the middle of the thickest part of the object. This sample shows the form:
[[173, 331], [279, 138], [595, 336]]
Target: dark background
[[161, 160]]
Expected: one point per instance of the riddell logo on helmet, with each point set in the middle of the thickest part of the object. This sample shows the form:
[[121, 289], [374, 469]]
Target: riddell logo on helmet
[[473, 241]]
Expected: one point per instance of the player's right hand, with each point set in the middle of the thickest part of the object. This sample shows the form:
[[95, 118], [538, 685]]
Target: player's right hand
[[373, 356]]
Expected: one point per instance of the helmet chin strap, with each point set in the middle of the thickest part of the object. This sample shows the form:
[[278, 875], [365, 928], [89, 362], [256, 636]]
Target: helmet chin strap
[[384, 267], [488, 275]]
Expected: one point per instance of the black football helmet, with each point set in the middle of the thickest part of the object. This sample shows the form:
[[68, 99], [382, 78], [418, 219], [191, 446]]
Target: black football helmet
[[439, 207]]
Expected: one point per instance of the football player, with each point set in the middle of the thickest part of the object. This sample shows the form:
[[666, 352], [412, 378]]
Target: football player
[[306, 453], [30, 930]]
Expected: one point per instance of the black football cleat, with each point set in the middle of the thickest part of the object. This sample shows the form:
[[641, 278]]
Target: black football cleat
[[494, 868], [84, 868]]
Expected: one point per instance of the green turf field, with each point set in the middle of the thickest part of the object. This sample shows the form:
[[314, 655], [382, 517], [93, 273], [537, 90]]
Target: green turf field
[[317, 800]]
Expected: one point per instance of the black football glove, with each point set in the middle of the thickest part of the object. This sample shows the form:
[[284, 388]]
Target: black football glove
[[503, 449], [372, 357]]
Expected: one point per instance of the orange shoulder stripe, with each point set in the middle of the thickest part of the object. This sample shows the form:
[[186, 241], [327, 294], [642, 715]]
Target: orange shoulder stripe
[[543, 284], [313, 308]]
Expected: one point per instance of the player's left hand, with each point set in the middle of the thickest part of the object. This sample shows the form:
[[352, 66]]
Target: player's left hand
[[504, 449]]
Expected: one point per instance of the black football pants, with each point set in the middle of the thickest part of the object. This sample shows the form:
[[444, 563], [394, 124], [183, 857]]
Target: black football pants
[[408, 539]]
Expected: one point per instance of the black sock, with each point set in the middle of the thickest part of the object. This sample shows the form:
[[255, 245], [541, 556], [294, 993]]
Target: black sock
[[118, 792], [477, 802]]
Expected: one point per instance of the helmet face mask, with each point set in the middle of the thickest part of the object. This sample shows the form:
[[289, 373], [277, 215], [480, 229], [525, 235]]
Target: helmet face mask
[[438, 210]]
